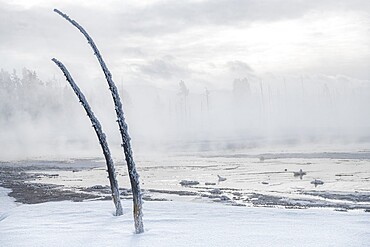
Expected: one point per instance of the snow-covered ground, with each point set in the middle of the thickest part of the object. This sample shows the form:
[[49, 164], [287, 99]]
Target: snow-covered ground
[[192, 220], [342, 173], [246, 173], [178, 224], [6, 202]]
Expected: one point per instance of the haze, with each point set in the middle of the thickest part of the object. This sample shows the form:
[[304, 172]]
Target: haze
[[257, 72]]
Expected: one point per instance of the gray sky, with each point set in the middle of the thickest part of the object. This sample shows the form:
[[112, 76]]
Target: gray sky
[[205, 43], [308, 63]]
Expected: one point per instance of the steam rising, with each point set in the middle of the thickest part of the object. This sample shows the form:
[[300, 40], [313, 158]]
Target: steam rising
[[193, 75], [44, 119]]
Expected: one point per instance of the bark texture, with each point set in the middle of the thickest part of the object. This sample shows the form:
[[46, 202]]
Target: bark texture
[[126, 140], [101, 136]]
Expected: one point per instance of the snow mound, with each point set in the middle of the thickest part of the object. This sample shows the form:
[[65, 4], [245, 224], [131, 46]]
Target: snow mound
[[180, 224]]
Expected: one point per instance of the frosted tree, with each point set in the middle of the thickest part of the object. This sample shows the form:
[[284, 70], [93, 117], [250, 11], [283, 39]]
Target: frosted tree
[[183, 93], [126, 140], [241, 89], [101, 136], [207, 93], [183, 90]]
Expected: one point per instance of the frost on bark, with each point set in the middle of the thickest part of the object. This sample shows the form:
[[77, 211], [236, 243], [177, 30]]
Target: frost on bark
[[101, 136], [134, 176]]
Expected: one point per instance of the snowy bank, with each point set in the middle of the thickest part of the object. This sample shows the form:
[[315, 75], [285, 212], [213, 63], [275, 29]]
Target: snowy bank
[[180, 224], [6, 202]]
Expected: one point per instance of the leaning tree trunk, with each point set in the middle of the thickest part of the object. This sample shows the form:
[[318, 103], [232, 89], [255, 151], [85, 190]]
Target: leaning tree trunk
[[101, 136], [134, 176]]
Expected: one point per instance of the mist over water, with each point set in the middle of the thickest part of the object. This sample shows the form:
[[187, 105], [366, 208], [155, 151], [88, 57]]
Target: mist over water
[[193, 76], [45, 119]]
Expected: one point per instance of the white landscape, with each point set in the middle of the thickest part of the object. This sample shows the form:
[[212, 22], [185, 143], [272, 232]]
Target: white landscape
[[178, 224], [197, 219], [209, 123]]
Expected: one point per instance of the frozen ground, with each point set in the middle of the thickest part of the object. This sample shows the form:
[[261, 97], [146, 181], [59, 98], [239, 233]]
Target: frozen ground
[[265, 179], [6, 202], [91, 223], [67, 203]]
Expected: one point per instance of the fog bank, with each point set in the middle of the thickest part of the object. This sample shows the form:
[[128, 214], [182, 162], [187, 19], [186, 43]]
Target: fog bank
[[45, 119]]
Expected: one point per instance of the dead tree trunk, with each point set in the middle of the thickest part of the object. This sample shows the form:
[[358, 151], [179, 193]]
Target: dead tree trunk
[[134, 176], [101, 136]]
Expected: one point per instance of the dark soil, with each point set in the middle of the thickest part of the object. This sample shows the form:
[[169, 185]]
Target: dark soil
[[18, 180]]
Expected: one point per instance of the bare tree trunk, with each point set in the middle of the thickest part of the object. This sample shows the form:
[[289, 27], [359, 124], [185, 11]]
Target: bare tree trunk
[[101, 136], [134, 176]]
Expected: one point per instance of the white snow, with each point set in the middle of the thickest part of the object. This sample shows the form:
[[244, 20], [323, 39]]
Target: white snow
[[6, 202], [179, 224], [248, 175]]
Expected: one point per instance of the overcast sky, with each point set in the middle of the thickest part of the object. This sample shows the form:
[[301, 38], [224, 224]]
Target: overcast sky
[[206, 43]]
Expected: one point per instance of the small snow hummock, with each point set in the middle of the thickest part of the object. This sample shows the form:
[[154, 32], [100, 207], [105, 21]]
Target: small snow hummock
[[188, 182], [299, 173], [317, 182]]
